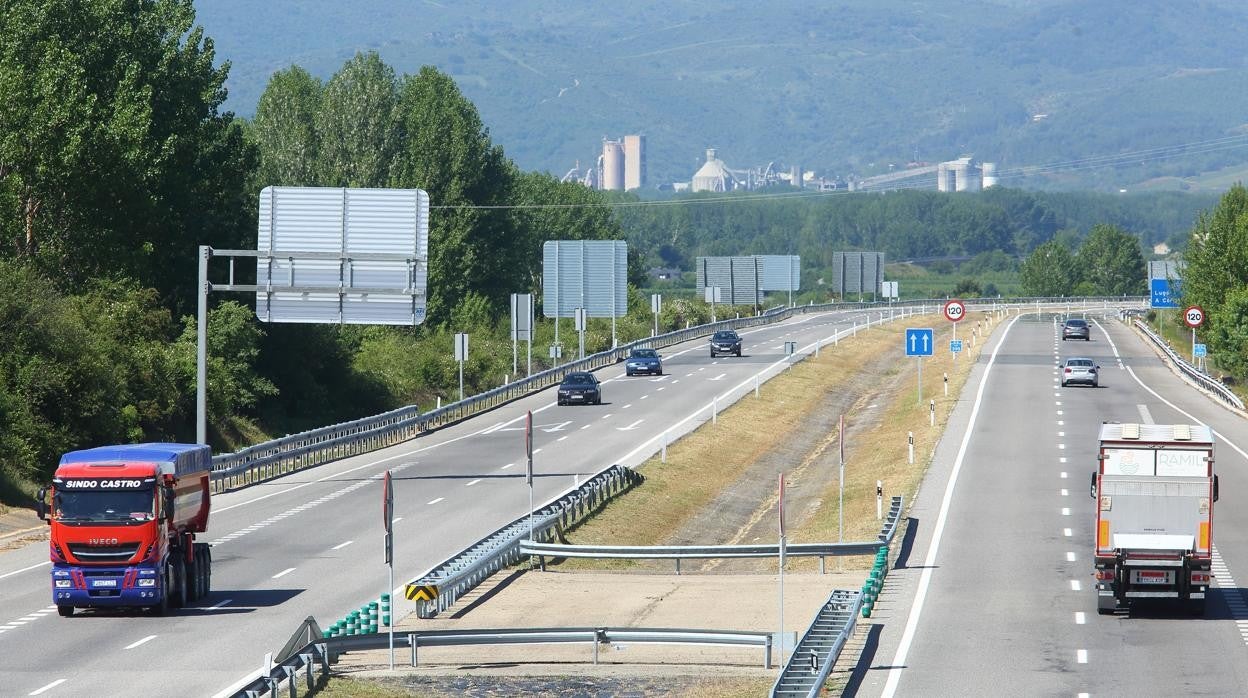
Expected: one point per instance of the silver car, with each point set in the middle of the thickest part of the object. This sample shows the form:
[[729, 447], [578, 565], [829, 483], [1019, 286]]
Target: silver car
[[1080, 370]]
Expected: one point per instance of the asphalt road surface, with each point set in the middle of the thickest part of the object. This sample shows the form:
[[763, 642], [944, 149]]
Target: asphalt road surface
[[995, 595], [311, 543]]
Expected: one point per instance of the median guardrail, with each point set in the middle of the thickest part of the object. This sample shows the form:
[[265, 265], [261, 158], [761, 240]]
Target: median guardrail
[[808, 668], [442, 586], [1193, 374], [287, 454], [312, 661]]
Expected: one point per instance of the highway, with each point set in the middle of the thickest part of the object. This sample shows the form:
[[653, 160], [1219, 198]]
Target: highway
[[994, 595], [311, 543]]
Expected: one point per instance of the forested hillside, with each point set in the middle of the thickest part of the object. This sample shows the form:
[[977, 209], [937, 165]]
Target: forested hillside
[[836, 87], [118, 159]]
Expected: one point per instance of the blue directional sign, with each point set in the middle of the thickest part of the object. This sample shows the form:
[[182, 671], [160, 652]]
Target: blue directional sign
[[955, 345], [1198, 350], [1164, 292], [920, 341]]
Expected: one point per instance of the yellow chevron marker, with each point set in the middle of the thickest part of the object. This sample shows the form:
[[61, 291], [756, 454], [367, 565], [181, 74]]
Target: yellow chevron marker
[[420, 592]]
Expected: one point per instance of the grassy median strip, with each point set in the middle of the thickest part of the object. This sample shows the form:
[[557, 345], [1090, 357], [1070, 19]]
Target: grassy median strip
[[704, 463]]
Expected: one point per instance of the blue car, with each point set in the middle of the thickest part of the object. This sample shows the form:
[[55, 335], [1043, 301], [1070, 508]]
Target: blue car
[[644, 361]]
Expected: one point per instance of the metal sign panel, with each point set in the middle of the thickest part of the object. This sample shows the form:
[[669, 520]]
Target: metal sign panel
[[342, 256], [920, 341], [521, 316], [1164, 293], [590, 274], [1200, 350], [780, 272], [739, 277], [1164, 270], [857, 272], [955, 346]]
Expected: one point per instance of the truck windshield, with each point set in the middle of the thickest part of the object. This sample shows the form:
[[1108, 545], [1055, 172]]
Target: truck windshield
[[104, 505]]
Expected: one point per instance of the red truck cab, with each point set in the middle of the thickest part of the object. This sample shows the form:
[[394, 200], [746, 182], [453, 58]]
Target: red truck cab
[[123, 522]]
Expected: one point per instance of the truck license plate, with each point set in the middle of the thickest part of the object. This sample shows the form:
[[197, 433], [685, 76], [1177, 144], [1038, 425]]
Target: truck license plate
[[97, 583], [1152, 577]]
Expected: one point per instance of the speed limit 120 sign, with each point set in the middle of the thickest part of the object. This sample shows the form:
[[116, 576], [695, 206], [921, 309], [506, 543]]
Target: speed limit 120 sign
[[1194, 316], [955, 310]]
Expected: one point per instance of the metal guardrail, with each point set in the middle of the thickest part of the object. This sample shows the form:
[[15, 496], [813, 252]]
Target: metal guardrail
[[287, 454], [820, 646], [1197, 376], [318, 655], [463, 572], [816, 653]]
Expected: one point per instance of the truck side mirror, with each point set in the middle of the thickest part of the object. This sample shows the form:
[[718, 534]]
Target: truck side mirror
[[167, 504], [41, 503], [1092, 492], [1215, 488]]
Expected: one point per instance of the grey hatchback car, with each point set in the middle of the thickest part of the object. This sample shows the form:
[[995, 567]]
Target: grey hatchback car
[[1081, 370]]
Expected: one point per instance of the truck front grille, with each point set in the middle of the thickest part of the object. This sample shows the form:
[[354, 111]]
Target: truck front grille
[[103, 553]]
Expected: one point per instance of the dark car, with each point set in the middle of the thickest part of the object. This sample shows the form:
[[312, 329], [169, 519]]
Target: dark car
[[725, 342], [643, 361], [580, 388], [1075, 328], [1083, 371]]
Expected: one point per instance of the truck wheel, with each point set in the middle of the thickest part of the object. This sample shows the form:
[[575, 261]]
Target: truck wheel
[[192, 578], [177, 598], [207, 570], [65, 611], [202, 564], [162, 608]]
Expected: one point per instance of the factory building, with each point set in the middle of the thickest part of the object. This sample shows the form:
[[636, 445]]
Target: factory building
[[713, 175]]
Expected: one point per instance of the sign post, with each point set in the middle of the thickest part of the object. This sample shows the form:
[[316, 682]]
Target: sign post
[[528, 463], [840, 497], [920, 342], [1193, 317], [387, 519], [656, 306], [461, 355], [955, 310], [521, 328], [781, 575], [581, 318], [713, 294]]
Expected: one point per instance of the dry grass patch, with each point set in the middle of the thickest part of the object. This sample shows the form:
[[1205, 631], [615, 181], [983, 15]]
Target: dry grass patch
[[880, 453], [710, 459]]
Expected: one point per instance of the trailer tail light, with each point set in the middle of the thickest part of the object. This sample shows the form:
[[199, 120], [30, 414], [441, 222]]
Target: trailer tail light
[[1202, 539], [1104, 575], [1102, 534], [1201, 578]]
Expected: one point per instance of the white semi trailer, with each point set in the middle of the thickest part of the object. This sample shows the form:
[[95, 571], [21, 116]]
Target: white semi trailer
[[1155, 488]]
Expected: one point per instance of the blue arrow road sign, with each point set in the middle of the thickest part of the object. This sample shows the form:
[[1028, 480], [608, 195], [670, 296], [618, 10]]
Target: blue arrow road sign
[[955, 345], [920, 341]]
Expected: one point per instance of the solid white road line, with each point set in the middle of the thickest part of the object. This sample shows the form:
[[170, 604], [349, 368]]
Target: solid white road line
[[340, 546], [49, 687], [136, 644], [916, 609], [479, 479], [25, 569], [284, 572], [437, 500]]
